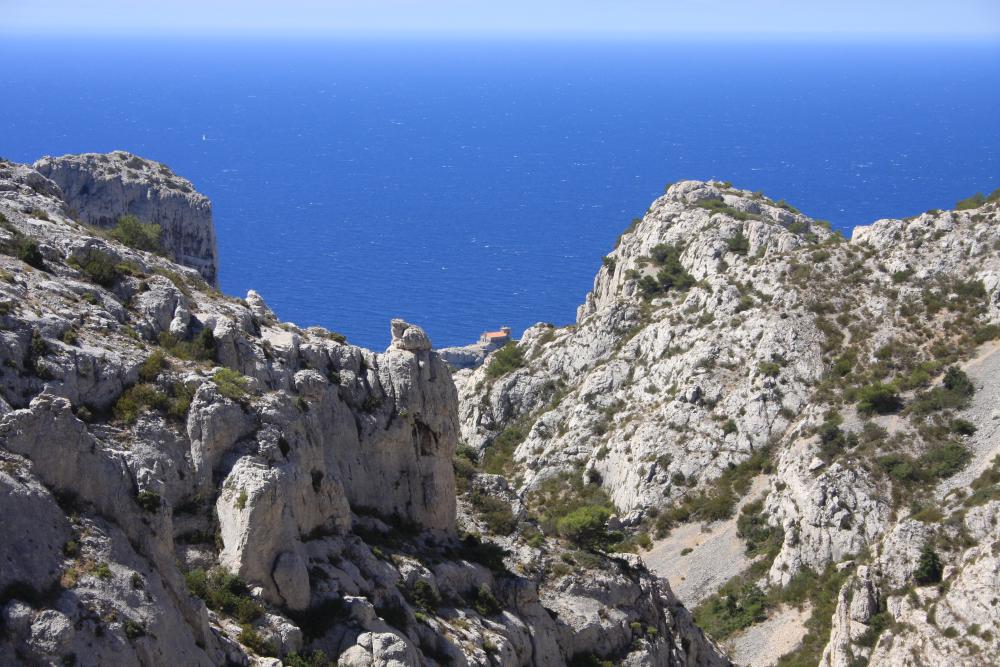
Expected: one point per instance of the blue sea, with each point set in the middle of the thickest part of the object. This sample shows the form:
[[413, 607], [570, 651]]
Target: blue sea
[[466, 185]]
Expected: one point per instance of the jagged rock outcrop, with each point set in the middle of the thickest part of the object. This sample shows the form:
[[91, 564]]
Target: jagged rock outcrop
[[99, 188], [185, 479], [727, 335]]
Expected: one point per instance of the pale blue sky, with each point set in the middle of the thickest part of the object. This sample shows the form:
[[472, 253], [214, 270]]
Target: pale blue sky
[[751, 18]]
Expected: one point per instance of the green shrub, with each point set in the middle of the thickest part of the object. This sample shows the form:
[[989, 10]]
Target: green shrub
[[955, 393], [141, 236], [315, 659], [769, 368], [27, 251], [901, 276], [423, 596], [822, 592], [255, 642], [137, 399], [231, 384], [832, 440], [102, 571], [752, 526], [975, 201], [738, 243], [878, 398], [733, 609], [671, 275], [202, 348], [962, 427], [484, 603], [498, 457], [561, 495], [152, 366], [716, 503], [508, 358], [955, 380], [986, 487], [495, 512], [149, 501], [588, 660], [718, 206], [99, 267], [223, 592], [180, 401], [487, 554], [929, 567], [586, 527], [133, 629], [938, 462], [945, 460]]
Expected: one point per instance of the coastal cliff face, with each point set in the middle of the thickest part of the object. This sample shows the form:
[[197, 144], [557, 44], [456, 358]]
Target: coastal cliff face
[[100, 188], [185, 479], [827, 404]]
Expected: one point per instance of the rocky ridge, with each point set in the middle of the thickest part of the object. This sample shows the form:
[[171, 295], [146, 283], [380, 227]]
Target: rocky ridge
[[185, 479], [727, 337], [100, 188]]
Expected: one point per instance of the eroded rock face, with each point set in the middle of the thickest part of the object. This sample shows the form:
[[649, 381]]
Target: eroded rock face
[[101, 188], [203, 451], [728, 334]]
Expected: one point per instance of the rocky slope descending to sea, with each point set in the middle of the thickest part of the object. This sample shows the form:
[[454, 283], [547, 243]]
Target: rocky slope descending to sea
[[184, 479], [731, 340], [100, 188]]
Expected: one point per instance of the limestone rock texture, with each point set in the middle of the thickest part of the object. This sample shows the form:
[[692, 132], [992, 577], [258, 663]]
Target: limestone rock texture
[[101, 187], [729, 336], [187, 480]]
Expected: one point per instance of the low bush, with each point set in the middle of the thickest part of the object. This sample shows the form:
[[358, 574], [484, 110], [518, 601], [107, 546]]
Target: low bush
[[423, 596], [495, 513], [821, 590], [929, 567], [986, 487], [938, 462], [99, 267], [315, 659], [878, 399], [977, 200], [716, 503], [738, 243], [254, 641], [27, 251], [586, 527], [760, 537], [718, 206], [202, 348], [485, 603], [231, 384], [498, 457], [508, 358], [137, 399], [152, 366], [149, 501], [671, 275], [141, 236], [223, 592], [769, 368], [731, 610], [562, 495]]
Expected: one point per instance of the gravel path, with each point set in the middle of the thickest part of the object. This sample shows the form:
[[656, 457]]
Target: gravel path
[[984, 371], [761, 645], [716, 554]]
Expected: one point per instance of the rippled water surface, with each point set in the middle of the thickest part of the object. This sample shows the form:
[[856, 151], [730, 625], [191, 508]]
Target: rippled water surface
[[467, 185]]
